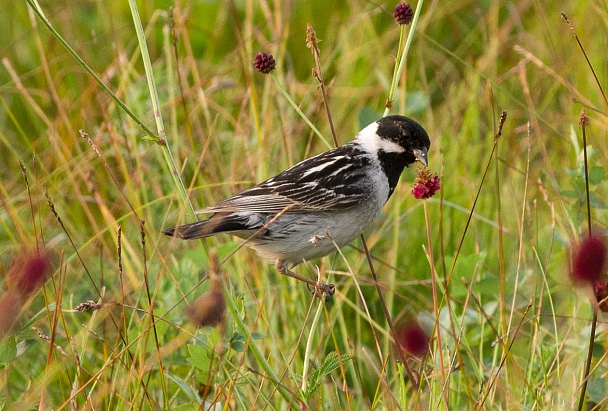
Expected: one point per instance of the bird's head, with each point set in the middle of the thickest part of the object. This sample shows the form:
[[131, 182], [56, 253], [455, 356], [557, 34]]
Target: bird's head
[[396, 139]]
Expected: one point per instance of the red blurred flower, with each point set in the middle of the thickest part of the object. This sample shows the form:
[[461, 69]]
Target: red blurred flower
[[36, 269], [589, 260], [412, 338], [26, 275]]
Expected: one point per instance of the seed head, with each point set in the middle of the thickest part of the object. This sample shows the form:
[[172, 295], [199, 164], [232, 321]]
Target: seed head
[[589, 260], [28, 272], [264, 63], [208, 310], [37, 269], [403, 13], [426, 185], [412, 338]]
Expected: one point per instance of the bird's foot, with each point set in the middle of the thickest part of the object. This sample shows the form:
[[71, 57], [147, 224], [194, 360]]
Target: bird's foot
[[323, 291], [318, 289]]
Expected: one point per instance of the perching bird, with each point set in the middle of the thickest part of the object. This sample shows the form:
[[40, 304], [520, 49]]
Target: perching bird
[[287, 218]]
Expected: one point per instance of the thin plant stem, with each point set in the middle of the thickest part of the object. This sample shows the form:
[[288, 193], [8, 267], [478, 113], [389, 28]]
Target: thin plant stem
[[408, 42], [161, 368], [38, 10], [586, 58], [255, 350], [313, 327], [436, 307], [413, 379], [503, 117], [584, 122], [299, 111], [506, 352], [581, 399], [391, 91], [160, 126], [160, 140], [311, 42]]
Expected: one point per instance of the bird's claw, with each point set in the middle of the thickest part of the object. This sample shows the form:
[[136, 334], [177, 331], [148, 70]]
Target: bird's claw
[[324, 291]]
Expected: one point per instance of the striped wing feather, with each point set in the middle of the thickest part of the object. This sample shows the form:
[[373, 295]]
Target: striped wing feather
[[334, 180]]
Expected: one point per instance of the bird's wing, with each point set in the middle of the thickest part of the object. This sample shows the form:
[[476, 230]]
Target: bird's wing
[[331, 181]]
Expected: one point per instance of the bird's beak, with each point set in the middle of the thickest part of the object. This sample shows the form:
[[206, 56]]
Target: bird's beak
[[421, 156]]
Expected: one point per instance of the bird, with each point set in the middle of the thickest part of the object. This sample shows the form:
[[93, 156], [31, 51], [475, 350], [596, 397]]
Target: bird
[[323, 201]]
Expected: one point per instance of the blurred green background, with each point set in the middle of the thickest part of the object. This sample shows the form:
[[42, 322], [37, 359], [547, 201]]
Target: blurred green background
[[230, 127]]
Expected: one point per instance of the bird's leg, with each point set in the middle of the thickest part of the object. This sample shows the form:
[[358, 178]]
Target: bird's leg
[[321, 290]]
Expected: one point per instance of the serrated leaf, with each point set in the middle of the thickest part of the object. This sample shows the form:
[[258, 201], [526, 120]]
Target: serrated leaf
[[200, 357], [329, 365]]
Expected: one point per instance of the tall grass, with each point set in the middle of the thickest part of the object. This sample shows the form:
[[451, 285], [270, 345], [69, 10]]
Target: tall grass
[[513, 332]]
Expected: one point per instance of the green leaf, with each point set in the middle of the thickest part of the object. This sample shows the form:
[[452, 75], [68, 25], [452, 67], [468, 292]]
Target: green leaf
[[569, 194], [8, 351], [200, 357], [596, 389], [237, 342], [186, 388], [258, 336], [597, 174], [149, 139], [329, 365]]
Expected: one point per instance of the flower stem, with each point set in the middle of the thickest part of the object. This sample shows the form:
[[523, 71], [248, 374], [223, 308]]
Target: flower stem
[[401, 60]]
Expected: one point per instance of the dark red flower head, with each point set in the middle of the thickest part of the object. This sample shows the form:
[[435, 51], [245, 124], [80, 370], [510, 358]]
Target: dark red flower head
[[403, 13], [426, 185], [264, 63], [589, 260], [35, 272], [29, 272], [412, 338]]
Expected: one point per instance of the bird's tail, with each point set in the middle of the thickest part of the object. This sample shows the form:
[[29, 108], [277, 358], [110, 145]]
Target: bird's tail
[[191, 231], [230, 223]]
